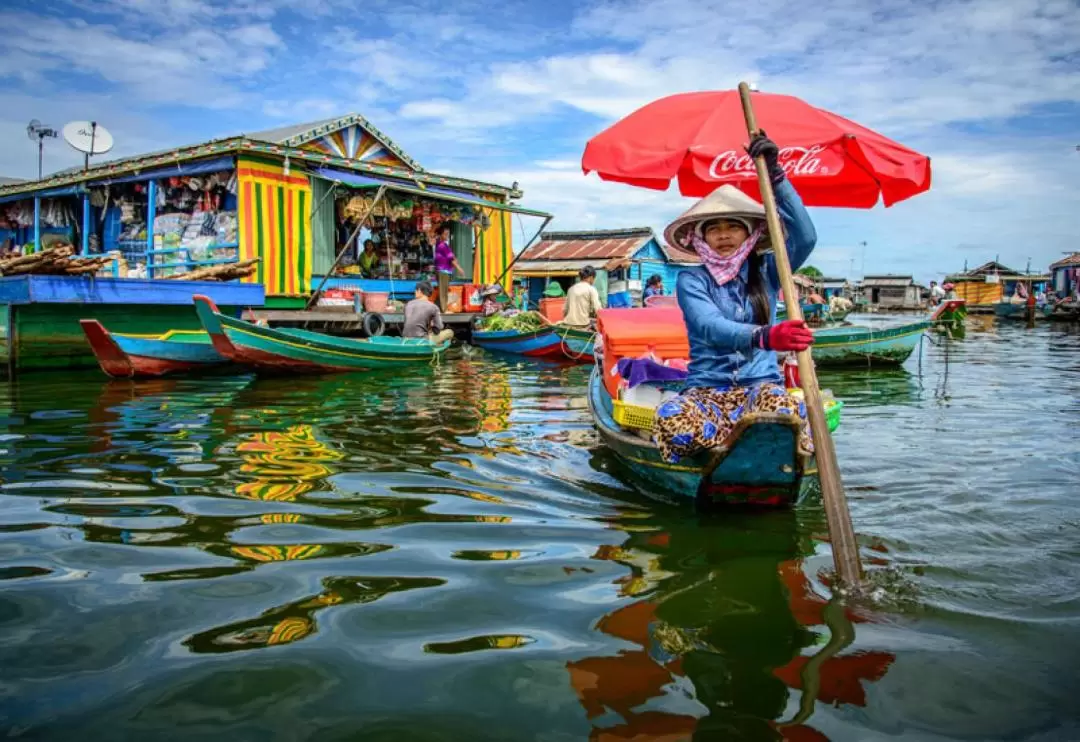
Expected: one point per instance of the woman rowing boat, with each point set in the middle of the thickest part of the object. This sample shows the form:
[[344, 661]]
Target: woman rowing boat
[[729, 306]]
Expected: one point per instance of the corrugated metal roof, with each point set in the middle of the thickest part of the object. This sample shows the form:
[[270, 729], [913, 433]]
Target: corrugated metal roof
[[1067, 261], [545, 267], [599, 245], [281, 133], [677, 254]]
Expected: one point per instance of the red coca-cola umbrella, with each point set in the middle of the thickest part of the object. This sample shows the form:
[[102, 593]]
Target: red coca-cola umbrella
[[700, 139]]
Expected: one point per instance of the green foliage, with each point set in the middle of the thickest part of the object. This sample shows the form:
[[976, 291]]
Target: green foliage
[[522, 322], [811, 271]]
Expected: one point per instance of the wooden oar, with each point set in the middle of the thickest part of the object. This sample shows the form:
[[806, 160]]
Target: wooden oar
[[844, 546]]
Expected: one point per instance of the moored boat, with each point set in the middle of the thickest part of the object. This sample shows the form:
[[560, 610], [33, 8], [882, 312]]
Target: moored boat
[[1019, 310], [577, 344], [293, 350], [950, 310], [544, 342], [862, 345], [124, 356]]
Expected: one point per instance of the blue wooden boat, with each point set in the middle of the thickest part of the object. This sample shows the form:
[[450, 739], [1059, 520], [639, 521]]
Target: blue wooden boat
[[542, 343], [861, 345], [124, 356], [759, 465], [302, 351]]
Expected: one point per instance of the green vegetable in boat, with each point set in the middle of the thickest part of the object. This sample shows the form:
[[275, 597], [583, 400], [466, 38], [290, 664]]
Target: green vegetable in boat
[[520, 322]]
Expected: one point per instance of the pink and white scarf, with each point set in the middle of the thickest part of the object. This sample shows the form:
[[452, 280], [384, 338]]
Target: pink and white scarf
[[723, 269]]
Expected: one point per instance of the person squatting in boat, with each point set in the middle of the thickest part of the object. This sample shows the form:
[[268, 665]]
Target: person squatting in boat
[[729, 306]]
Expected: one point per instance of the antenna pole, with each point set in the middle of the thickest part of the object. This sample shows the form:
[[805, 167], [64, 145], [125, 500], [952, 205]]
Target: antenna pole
[[40, 152], [93, 134]]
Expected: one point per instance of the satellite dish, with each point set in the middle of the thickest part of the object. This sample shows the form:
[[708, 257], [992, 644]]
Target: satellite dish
[[89, 137]]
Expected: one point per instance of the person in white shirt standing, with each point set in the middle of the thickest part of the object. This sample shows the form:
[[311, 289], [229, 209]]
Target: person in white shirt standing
[[582, 300]]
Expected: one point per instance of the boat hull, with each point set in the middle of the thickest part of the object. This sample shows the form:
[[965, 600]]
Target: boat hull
[[762, 467], [856, 345], [128, 356], [578, 345], [542, 343], [301, 351], [1008, 310]]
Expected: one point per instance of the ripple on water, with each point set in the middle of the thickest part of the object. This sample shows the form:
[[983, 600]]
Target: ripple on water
[[449, 552]]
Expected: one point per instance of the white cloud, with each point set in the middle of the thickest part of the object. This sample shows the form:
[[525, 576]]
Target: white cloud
[[431, 109], [193, 67]]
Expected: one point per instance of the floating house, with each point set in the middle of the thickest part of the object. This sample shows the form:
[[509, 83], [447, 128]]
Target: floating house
[[624, 259], [301, 199], [1065, 276], [831, 287], [886, 293], [991, 283]]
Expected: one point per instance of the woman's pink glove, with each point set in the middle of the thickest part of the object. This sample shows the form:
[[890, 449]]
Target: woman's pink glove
[[792, 334]]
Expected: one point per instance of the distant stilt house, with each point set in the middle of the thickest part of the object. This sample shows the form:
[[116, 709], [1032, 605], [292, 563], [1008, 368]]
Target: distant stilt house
[[889, 293], [991, 283], [831, 287], [623, 259], [1065, 276]]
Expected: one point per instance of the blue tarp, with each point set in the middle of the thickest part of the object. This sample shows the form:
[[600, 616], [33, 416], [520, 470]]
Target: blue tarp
[[72, 190], [181, 168], [351, 179]]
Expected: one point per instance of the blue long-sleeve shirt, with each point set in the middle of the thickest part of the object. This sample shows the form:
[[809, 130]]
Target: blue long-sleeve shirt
[[720, 319]]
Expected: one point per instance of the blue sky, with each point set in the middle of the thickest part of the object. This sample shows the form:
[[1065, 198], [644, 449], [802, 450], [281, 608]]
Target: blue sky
[[510, 91]]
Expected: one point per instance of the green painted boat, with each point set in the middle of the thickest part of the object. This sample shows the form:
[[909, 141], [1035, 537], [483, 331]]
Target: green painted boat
[[303, 351], [861, 345]]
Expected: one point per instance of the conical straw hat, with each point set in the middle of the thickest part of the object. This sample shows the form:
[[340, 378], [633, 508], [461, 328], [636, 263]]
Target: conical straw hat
[[726, 202]]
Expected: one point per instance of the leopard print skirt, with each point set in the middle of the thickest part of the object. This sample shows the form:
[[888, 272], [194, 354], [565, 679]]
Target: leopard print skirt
[[700, 418]]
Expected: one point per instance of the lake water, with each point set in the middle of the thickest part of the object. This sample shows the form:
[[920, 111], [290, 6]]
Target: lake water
[[448, 554]]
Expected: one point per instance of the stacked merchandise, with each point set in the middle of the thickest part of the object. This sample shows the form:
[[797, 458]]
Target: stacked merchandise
[[404, 231], [194, 238]]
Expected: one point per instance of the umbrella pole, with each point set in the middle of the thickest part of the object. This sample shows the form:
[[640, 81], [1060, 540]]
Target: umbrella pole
[[841, 533]]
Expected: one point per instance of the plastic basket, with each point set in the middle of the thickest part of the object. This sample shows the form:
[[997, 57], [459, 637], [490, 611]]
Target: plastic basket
[[632, 415]]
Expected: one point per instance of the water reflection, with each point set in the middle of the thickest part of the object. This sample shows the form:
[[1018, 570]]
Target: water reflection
[[283, 465], [147, 528], [707, 587], [295, 621]]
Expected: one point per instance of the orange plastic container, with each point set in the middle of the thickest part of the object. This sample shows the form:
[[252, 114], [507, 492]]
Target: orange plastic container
[[454, 303], [376, 301], [633, 333], [552, 307], [473, 302]]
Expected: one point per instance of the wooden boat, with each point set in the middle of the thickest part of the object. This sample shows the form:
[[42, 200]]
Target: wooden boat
[[1010, 310], [542, 343], [577, 344], [288, 349], [817, 315], [760, 464], [950, 310], [124, 356], [861, 345]]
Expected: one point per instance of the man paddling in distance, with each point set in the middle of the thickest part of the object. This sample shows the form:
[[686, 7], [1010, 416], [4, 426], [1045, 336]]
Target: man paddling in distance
[[422, 317]]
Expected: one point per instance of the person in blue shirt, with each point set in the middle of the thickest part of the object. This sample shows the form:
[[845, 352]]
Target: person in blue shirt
[[729, 306], [653, 287]]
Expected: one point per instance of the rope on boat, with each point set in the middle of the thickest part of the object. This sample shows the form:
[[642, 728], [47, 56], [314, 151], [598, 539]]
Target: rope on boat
[[566, 349]]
